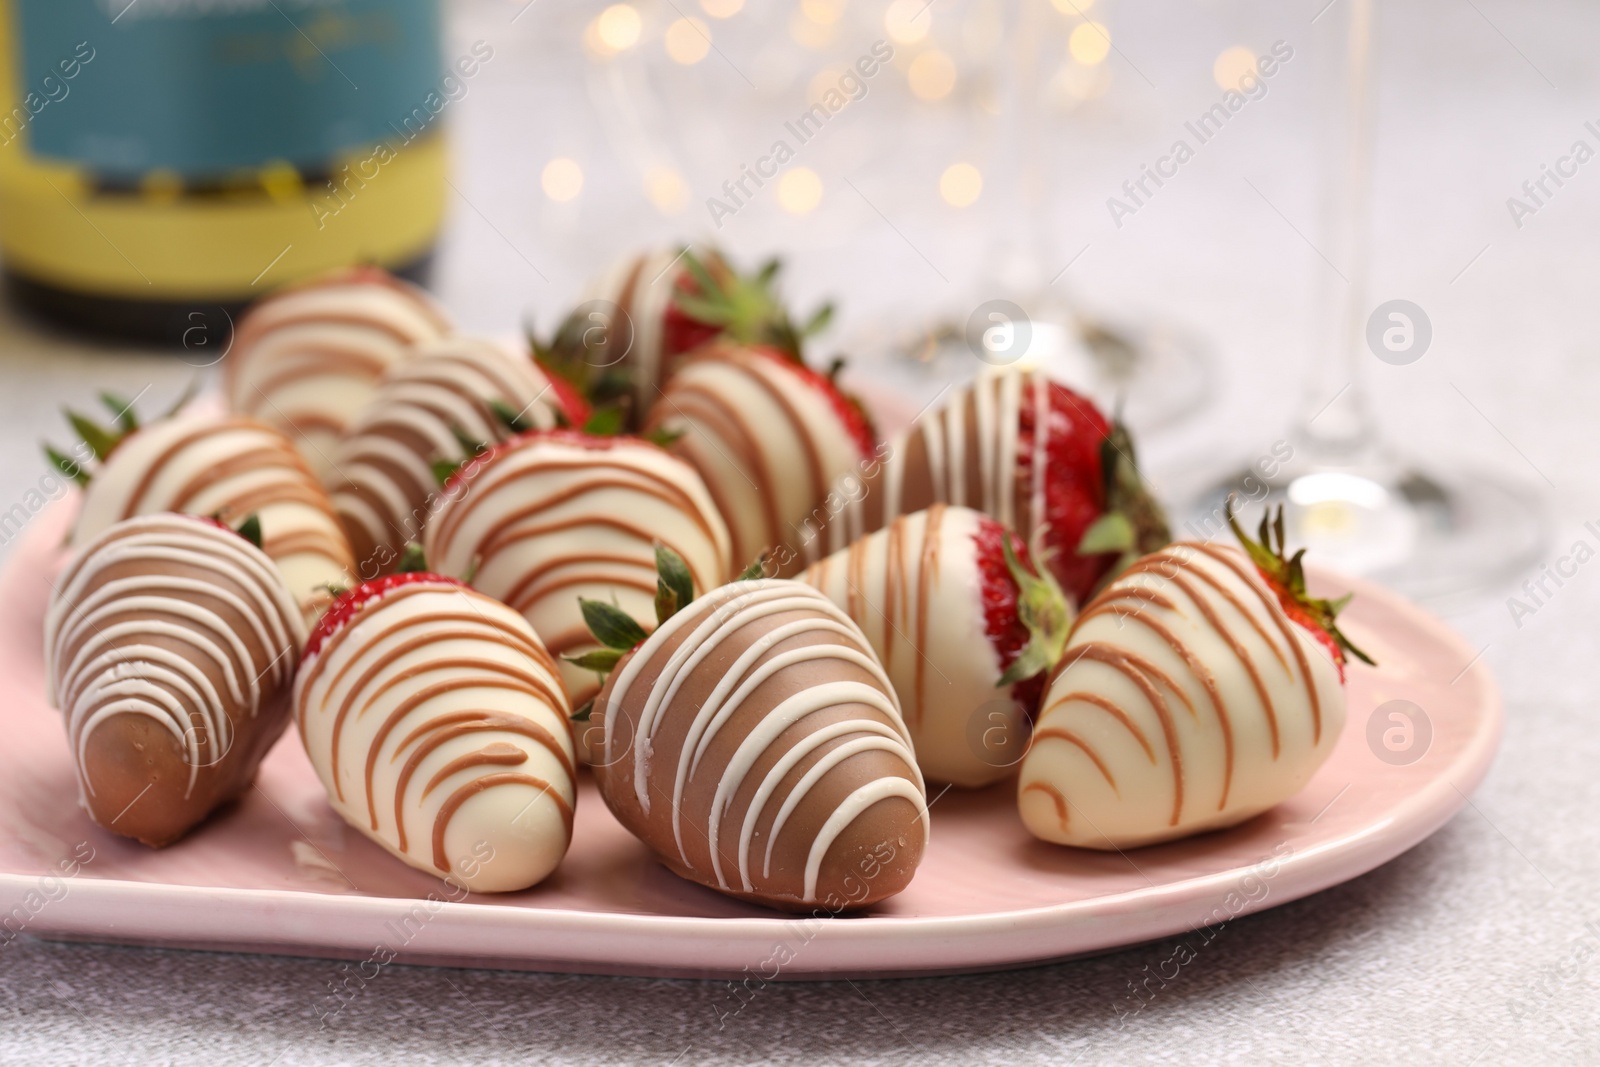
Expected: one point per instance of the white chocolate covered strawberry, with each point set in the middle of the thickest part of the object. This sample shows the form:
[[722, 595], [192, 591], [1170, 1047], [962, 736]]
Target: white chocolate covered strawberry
[[768, 435], [623, 344], [228, 466], [546, 518], [437, 722], [965, 630], [1201, 687], [439, 406], [1026, 451], [306, 359]]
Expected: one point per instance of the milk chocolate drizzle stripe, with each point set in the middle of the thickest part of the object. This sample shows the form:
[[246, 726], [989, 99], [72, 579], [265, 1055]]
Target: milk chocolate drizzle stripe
[[1135, 669], [540, 458], [1109, 707], [318, 359], [447, 728], [906, 598], [499, 630], [405, 707], [490, 671], [209, 429], [1061, 734], [313, 667], [1110, 602], [996, 405], [472, 788], [641, 562], [701, 405], [495, 754], [1055, 797]]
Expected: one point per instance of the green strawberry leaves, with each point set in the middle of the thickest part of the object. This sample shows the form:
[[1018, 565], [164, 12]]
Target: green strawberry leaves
[[620, 633], [674, 586], [1288, 577], [610, 625], [1042, 608], [250, 529]]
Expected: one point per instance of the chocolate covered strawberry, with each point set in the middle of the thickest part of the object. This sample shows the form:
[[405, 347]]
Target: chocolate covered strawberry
[[438, 406], [1025, 450], [225, 465], [966, 628], [306, 359], [437, 722], [1198, 689], [621, 345], [547, 517], [752, 741], [769, 436]]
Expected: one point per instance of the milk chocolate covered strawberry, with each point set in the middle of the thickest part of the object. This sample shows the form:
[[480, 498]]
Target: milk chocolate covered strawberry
[[170, 647], [752, 741]]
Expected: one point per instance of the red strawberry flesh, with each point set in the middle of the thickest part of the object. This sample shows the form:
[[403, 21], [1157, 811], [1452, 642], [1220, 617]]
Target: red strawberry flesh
[[681, 332], [567, 399], [350, 603], [1074, 485], [1005, 630]]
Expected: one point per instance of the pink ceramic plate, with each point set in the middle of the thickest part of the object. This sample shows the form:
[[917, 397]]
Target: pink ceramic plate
[[279, 872]]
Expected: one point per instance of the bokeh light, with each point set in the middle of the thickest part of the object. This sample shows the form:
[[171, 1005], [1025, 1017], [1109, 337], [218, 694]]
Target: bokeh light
[[908, 21], [688, 41], [666, 189], [932, 75], [618, 27], [1090, 43], [961, 184], [722, 9], [1232, 65], [799, 190], [562, 179]]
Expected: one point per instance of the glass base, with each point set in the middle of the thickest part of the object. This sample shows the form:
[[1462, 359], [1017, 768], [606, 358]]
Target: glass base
[[1432, 536]]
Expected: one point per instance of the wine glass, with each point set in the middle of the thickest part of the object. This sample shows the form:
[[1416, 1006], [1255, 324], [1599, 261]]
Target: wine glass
[[1350, 496]]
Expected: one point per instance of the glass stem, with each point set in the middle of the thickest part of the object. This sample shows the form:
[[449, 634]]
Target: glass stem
[[1336, 419]]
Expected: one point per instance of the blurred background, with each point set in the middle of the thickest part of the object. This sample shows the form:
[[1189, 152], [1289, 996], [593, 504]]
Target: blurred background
[[998, 149]]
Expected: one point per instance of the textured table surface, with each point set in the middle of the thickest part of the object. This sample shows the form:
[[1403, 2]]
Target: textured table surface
[[1482, 945]]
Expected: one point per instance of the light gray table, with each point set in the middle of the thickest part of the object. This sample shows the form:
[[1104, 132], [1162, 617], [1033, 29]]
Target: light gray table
[[1481, 945]]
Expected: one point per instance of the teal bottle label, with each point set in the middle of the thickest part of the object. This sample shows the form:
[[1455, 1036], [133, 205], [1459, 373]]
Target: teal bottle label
[[208, 87]]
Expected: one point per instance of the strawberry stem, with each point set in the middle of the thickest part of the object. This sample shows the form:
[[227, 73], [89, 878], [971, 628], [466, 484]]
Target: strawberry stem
[[1134, 523], [1286, 574]]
